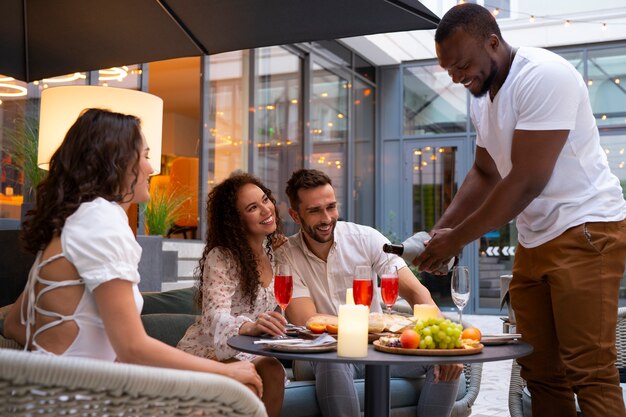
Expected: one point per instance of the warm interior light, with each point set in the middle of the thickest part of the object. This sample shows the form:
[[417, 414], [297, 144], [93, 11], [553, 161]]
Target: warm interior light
[[61, 106], [115, 73], [65, 78], [12, 90]]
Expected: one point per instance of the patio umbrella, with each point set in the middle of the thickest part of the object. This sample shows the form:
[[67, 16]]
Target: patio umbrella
[[43, 38]]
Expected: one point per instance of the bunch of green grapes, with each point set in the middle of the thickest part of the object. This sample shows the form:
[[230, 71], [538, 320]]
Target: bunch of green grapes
[[439, 333]]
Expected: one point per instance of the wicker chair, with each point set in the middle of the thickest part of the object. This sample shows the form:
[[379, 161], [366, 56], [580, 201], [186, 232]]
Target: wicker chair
[[517, 385], [42, 385]]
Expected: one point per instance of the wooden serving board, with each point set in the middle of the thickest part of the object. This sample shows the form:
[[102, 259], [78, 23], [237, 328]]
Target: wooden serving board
[[429, 352], [371, 337]]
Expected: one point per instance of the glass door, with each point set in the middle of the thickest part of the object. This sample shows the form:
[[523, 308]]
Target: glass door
[[434, 171]]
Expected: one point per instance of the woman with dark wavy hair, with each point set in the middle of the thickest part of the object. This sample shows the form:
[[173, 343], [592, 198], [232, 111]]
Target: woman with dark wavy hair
[[235, 279], [81, 298]]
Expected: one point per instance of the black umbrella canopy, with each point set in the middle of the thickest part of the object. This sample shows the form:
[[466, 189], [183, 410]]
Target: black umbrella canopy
[[44, 38]]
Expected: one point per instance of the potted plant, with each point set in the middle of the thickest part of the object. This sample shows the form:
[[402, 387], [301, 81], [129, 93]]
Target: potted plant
[[160, 213]]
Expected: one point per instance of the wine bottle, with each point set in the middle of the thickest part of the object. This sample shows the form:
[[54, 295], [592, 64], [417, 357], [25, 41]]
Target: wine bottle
[[413, 247]]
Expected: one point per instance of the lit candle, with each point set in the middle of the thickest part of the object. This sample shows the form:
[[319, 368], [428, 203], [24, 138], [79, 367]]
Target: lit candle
[[425, 311], [9, 192], [349, 297], [353, 325]]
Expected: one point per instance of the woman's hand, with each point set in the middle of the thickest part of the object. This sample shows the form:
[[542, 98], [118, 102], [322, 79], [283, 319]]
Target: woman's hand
[[245, 372], [448, 372], [270, 322]]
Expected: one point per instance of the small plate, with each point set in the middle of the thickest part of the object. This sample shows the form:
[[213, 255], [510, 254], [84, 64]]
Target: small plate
[[499, 339], [303, 349]]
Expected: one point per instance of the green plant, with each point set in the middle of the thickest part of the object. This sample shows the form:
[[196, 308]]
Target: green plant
[[163, 210], [22, 146]]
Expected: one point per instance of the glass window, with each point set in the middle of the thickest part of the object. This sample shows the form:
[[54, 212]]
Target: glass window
[[19, 125], [606, 81], [364, 68], [329, 127], [432, 102], [121, 77], [364, 122], [228, 107], [278, 123]]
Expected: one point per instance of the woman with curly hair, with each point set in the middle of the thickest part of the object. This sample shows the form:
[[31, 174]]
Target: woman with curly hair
[[235, 279], [81, 298]]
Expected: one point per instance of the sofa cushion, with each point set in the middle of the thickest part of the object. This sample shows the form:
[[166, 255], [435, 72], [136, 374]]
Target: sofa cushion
[[180, 301], [168, 328]]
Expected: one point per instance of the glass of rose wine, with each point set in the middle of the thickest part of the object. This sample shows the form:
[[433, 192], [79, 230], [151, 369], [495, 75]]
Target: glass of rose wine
[[389, 285], [362, 285], [283, 286]]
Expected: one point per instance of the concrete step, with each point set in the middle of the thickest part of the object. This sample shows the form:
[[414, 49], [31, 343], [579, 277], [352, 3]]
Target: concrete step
[[493, 274], [489, 283], [187, 249], [488, 260], [491, 267]]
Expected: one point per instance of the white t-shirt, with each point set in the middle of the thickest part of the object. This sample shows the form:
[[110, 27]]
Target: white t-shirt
[[326, 282], [545, 92]]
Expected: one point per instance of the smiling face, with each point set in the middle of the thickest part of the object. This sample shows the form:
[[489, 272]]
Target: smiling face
[[317, 213], [141, 189], [256, 210], [472, 62]]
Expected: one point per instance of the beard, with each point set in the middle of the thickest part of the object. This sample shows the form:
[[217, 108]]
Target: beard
[[311, 231], [493, 71]]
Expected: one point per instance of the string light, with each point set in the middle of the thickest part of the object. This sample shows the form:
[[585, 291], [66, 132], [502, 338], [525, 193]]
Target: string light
[[604, 27], [568, 23], [531, 19], [496, 11]]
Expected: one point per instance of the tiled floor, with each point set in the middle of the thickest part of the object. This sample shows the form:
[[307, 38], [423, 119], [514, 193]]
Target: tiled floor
[[494, 388]]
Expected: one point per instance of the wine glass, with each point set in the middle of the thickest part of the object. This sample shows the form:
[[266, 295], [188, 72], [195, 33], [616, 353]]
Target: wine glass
[[362, 286], [460, 288], [389, 284], [283, 286]]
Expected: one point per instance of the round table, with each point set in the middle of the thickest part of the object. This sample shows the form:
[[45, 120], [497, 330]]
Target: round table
[[377, 364]]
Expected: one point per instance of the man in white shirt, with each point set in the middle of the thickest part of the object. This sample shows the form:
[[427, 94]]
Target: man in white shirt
[[538, 157], [323, 257]]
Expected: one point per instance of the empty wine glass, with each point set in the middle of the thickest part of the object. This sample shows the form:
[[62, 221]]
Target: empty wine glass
[[460, 288], [389, 285]]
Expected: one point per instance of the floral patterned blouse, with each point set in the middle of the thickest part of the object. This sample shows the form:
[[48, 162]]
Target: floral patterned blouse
[[223, 310]]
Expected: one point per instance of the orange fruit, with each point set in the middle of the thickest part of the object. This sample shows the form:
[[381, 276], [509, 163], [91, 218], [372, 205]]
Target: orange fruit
[[409, 339], [332, 329], [317, 327], [471, 333]]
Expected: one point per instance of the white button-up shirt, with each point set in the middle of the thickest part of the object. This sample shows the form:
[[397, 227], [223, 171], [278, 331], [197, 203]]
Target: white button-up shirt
[[326, 282]]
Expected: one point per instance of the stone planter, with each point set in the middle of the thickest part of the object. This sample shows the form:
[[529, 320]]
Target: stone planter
[[156, 265]]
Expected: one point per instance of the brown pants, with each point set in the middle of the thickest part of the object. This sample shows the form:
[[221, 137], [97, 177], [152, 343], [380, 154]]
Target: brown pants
[[565, 297]]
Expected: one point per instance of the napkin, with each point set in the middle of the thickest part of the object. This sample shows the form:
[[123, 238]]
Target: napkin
[[322, 340]]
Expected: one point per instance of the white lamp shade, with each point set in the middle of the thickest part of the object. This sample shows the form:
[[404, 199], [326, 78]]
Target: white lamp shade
[[61, 106]]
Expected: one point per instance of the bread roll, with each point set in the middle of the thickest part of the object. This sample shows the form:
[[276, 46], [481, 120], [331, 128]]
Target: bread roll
[[321, 319]]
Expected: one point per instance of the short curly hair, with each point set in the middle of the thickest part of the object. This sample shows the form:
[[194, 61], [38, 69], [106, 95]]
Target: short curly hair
[[470, 18], [304, 179]]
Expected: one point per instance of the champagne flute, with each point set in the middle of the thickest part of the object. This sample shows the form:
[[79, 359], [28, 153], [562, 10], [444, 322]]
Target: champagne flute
[[389, 285], [283, 286], [460, 288], [362, 286]]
